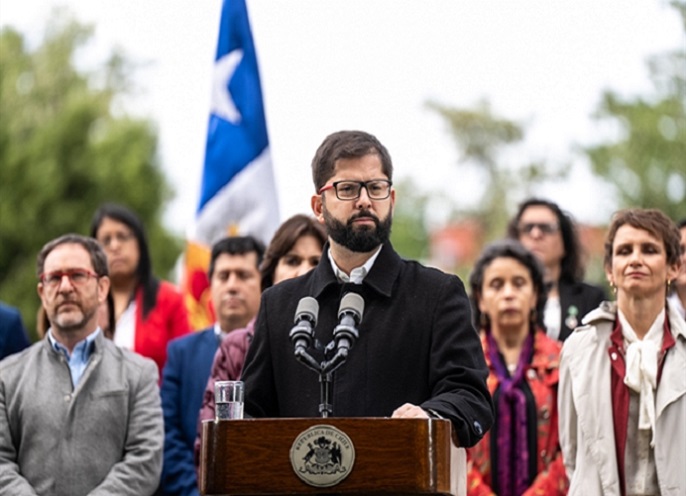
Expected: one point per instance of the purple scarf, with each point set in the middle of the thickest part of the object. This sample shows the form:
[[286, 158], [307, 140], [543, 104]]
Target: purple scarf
[[512, 471]]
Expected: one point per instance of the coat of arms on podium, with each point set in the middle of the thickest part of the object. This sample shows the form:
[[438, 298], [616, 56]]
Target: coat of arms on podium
[[322, 456]]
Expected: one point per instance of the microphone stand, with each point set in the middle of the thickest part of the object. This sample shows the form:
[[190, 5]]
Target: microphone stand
[[325, 370], [325, 394], [326, 379]]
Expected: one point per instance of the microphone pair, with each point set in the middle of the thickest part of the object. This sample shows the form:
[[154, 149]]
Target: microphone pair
[[345, 334]]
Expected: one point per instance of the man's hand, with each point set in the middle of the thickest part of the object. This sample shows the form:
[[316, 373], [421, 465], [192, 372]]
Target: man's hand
[[408, 410]]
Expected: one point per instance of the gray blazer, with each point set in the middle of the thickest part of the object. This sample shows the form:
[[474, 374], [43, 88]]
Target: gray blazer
[[104, 437]]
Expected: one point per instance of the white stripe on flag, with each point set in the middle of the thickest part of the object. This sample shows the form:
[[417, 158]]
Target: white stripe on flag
[[246, 205]]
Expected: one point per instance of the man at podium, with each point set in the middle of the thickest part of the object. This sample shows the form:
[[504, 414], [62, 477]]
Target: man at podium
[[415, 355]]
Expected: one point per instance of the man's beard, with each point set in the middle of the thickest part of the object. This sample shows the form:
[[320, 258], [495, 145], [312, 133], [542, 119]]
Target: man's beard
[[361, 239], [67, 323]]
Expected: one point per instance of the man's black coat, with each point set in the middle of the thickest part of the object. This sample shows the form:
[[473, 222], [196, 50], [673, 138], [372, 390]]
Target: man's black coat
[[416, 344]]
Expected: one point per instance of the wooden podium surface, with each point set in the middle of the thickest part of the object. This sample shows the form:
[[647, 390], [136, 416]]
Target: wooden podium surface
[[391, 456]]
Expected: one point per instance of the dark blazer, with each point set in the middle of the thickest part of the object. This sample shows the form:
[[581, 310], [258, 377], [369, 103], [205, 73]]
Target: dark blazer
[[12, 333], [416, 345], [576, 300], [189, 359]]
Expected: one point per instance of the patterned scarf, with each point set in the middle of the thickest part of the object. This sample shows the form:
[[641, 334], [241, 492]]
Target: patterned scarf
[[513, 447]]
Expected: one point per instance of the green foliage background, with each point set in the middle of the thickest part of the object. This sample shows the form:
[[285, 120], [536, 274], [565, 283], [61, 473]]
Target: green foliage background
[[64, 150], [643, 163]]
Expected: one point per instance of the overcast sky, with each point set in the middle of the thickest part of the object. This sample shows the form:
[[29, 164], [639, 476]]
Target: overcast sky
[[328, 65]]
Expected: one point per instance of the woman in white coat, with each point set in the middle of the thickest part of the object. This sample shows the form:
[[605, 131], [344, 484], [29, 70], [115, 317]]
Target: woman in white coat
[[622, 395]]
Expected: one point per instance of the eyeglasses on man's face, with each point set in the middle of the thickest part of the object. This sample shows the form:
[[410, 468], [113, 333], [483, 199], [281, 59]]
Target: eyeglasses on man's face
[[545, 227], [377, 189], [77, 277]]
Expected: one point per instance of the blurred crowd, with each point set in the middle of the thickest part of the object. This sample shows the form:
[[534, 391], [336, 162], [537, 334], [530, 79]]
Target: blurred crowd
[[587, 388]]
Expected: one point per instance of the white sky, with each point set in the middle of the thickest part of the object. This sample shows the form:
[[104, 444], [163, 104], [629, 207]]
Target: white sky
[[328, 65]]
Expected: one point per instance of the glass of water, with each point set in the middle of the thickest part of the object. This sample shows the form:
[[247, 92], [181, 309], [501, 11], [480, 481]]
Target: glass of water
[[228, 399]]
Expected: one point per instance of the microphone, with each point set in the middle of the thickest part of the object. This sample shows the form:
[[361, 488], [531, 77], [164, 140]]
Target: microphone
[[350, 314], [305, 321]]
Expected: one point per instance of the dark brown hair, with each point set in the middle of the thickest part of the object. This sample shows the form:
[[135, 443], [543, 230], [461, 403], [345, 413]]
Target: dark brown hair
[[649, 219], [236, 245], [146, 279], [571, 269], [347, 144], [508, 248], [283, 241], [98, 257]]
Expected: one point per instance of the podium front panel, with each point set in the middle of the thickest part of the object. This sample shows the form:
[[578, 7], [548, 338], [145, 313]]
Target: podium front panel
[[391, 456]]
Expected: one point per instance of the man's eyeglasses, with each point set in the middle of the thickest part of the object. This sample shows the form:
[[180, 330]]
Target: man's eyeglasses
[[544, 227], [77, 277], [377, 189]]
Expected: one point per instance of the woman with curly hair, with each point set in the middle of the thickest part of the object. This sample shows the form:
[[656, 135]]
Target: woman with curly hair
[[521, 454]]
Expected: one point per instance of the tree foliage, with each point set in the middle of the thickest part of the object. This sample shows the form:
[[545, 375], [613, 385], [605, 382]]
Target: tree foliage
[[481, 137], [64, 150], [409, 235], [646, 164]]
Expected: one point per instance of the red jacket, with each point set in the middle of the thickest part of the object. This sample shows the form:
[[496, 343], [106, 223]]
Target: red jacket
[[542, 378], [167, 320]]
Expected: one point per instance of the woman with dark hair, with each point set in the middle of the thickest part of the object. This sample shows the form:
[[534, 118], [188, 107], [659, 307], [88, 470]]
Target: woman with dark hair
[[623, 374], [294, 250], [550, 234], [521, 453], [148, 312]]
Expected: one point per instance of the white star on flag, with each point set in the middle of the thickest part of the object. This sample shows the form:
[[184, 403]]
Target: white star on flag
[[238, 189], [222, 104]]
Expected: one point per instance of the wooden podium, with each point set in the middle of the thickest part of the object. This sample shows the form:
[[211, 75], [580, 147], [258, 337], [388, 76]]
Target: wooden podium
[[370, 456]]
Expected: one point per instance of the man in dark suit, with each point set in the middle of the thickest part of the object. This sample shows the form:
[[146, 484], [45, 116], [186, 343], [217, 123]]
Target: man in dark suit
[[235, 291], [12, 333], [417, 354]]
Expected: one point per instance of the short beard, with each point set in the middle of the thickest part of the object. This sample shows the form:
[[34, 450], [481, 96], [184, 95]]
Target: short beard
[[359, 239], [72, 325]]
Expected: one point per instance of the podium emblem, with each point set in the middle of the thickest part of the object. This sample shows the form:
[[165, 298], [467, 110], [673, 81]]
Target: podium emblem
[[322, 456]]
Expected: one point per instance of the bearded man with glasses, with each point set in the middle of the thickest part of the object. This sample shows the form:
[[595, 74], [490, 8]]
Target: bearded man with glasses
[[417, 355], [550, 234], [78, 415]]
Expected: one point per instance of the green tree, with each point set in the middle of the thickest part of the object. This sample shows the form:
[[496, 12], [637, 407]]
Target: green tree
[[64, 150], [481, 136], [646, 164], [409, 234]]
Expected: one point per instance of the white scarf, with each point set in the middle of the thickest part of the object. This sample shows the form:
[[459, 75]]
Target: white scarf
[[641, 368]]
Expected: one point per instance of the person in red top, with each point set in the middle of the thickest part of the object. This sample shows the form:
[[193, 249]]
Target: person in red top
[[148, 312], [521, 453]]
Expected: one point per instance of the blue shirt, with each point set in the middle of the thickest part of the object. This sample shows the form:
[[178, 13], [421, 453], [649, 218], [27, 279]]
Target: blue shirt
[[78, 360]]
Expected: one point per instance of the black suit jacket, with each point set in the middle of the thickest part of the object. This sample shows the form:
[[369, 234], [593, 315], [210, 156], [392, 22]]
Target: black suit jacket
[[576, 300], [416, 345]]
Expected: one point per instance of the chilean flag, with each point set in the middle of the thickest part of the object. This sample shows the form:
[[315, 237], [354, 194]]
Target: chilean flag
[[238, 190]]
